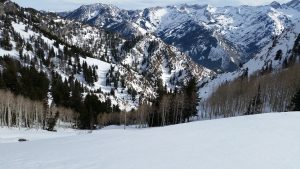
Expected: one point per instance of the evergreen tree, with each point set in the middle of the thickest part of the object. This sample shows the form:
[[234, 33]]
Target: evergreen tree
[[51, 53], [278, 55], [255, 105], [191, 99], [51, 122], [295, 103], [5, 40]]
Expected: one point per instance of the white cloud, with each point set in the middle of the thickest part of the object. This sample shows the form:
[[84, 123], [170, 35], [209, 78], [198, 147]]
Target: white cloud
[[64, 5]]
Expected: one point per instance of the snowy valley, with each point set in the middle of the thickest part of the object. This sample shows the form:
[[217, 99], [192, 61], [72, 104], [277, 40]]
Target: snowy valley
[[181, 86]]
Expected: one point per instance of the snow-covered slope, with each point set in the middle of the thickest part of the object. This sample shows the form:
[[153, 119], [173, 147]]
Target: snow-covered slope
[[268, 58], [216, 37], [248, 142], [12, 135], [138, 64]]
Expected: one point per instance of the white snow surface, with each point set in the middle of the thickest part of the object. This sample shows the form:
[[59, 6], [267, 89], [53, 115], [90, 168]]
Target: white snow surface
[[11, 135], [265, 141]]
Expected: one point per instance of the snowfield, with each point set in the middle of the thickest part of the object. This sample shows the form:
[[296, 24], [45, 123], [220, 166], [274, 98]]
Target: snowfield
[[266, 141]]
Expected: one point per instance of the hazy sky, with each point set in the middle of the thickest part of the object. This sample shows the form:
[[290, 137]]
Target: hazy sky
[[64, 5]]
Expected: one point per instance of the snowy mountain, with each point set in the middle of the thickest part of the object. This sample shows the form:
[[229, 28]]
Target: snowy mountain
[[294, 4], [273, 74], [225, 143], [216, 37], [276, 55], [125, 71]]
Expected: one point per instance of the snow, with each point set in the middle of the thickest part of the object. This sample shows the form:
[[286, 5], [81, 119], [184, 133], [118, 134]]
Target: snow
[[11, 135], [87, 33], [285, 42], [206, 91], [248, 142], [103, 68]]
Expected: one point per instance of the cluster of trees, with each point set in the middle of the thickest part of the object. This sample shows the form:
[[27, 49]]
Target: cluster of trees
[[114, 78], [5, 40], [174, 107], [129, 44], [68, 93], [24, 94], [170, 107], [23, 79], [295, 103], [5, 35], [19, 111], [271, 92], [89, 73], [33, 86], [26, 81]]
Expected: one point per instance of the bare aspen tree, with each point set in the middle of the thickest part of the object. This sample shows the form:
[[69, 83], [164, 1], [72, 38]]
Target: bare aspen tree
[[164, 109]]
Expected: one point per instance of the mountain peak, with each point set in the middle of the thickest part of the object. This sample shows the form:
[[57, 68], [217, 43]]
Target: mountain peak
[[294, 4], [99, 6], [275, 4]]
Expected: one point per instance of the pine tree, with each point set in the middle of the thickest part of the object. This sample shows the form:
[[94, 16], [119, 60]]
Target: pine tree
[[278, 55], [191, 99], [5, 40], [255, 105], [295, 103]]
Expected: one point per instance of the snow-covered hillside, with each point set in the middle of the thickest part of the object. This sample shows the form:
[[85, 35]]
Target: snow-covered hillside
[[121, 65], [272, 56], [216, 37], [248, 142]]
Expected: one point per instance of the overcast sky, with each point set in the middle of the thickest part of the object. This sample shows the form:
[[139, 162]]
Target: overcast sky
[[65, 5]]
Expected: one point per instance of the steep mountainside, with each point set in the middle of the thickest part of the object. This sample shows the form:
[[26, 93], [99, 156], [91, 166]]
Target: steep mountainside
[[123, 71], [278, 54], [218, 38]]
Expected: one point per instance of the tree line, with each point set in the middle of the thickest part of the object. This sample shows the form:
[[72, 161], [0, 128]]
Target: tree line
[[20, 111], [169, 107], [272, 92]]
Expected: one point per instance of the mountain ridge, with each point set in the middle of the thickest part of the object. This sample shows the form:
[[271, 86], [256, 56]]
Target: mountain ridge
[[226, 30]]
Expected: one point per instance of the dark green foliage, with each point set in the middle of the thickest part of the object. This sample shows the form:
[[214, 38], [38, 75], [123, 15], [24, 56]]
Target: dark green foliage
[[51, 122], [10, 74], [112, 92], [29, 47], [51, 53], [296, 48], [5, 40], [34, 84], [295, 102], [177, 106], [76, 97], [89, 73], [69, 94], [152, 47], [26, 81], [91, 108], [278, 55], [255, 105], [129, 44], [133, 93], [295, 56], [191, 100], [60, 90], [19, 41]]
